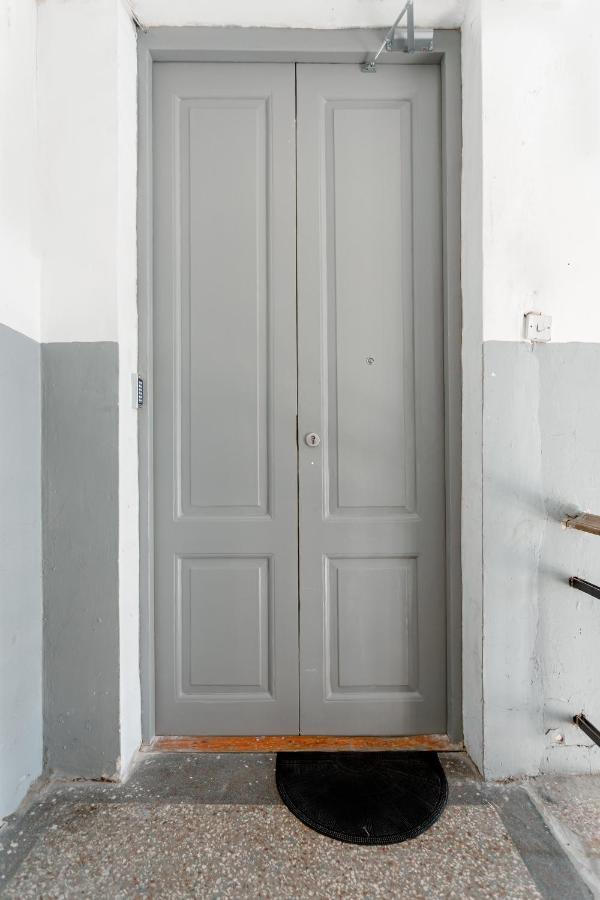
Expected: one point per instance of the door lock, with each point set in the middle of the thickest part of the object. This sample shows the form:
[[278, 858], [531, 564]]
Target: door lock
[[312, 439]]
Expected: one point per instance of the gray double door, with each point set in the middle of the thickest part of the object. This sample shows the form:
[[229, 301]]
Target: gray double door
[[298, 400]]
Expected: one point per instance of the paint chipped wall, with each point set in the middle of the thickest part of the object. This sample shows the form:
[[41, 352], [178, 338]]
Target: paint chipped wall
[[541, 452], [539, 204]]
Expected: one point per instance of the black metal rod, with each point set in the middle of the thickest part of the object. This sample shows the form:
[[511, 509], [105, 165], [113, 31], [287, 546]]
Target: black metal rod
[[587, 727], [585, 586]]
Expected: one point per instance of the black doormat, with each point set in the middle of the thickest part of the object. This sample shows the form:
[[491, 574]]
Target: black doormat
[[364, 798]]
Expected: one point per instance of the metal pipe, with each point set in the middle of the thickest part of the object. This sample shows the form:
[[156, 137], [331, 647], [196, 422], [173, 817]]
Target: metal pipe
[[410, 29], [587, 728], [586, 586], [583, 522]]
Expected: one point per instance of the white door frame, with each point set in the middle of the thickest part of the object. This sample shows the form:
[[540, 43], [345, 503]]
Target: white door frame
[[196, 44]]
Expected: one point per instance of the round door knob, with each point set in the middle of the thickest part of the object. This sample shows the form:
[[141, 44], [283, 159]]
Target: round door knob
[[312, 439]]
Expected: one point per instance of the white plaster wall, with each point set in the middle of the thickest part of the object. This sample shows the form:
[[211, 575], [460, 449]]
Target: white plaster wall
[[291, 14], [78, 126], [19, 263], [540, 203], [541, 150], [129, 601]]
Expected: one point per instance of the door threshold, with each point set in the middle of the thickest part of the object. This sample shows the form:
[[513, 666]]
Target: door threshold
[[302, 742]]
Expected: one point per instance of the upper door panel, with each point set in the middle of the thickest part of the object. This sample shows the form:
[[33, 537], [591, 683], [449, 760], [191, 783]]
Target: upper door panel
[[224, 146], [370, 383]]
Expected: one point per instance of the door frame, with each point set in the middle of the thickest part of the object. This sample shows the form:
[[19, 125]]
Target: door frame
[[298, 45]]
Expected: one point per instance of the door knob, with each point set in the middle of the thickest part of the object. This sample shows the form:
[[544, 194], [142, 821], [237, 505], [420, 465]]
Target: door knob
[[312, 439]]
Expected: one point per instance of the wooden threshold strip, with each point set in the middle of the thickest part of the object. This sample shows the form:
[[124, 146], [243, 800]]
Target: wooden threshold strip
[[295, 742]]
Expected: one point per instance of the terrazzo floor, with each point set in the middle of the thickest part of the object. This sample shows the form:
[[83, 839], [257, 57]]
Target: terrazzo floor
[[212, 826]]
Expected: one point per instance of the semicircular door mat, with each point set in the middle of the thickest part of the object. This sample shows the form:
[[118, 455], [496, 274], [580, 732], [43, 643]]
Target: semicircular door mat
[[364, 798]]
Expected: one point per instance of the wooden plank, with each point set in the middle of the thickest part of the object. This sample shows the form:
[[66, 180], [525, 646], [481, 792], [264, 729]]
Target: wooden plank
[[304, 742], [584, 522]]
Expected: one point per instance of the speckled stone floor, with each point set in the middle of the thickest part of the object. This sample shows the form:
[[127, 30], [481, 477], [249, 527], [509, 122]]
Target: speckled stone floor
[[571, 809], [212, 826]]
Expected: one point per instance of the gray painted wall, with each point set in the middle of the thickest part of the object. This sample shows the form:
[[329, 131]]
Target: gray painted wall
[[541, 460], [80, 551], [20, 567]]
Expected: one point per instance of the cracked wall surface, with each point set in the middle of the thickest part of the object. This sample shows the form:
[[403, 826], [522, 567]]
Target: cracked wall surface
[[531, 446], [541, 449]]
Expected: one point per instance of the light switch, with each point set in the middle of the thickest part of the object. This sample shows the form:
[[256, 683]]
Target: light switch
[[538, 327]]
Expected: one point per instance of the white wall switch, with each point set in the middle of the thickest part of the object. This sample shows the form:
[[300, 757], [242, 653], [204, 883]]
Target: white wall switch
[[538, 327]]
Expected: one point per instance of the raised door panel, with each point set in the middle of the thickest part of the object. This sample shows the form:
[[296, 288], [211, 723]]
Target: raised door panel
[[225, 621], [370, 379], [223, 358], [372, 622]]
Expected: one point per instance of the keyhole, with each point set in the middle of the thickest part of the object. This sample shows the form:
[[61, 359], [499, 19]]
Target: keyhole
[[370, 360]]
